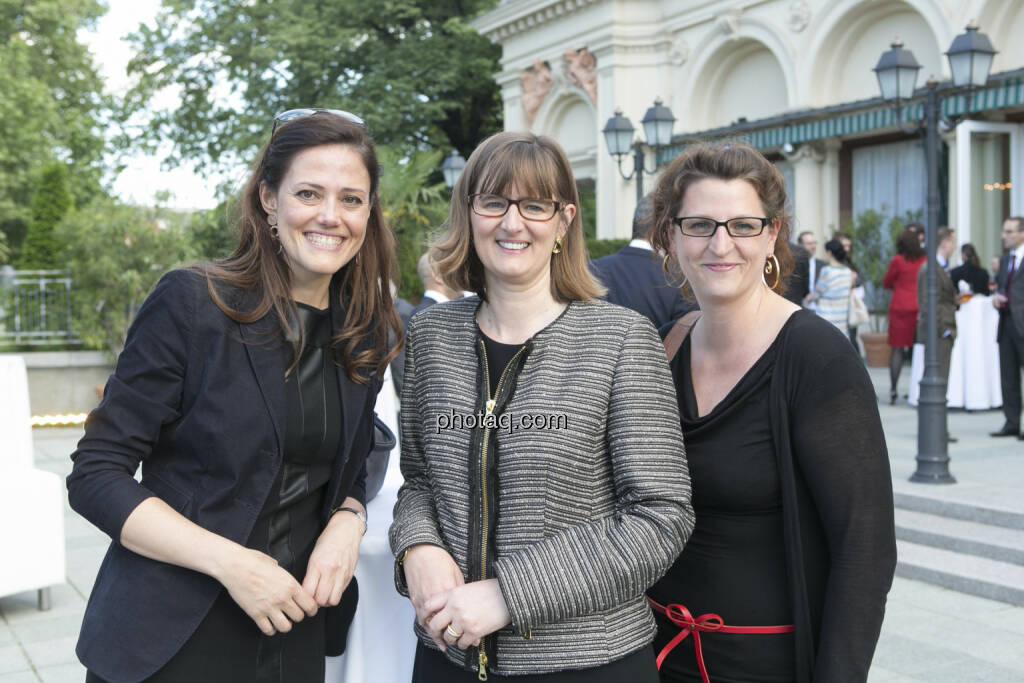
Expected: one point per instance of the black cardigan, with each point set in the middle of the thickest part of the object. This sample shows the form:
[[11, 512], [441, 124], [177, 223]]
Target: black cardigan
[[837, 499]]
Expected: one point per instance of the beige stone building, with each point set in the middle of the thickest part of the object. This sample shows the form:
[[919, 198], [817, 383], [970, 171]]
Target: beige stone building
[[793, 76]]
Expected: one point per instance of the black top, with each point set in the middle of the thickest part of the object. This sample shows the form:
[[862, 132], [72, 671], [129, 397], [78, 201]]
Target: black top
[[839, 545], [977, 278], [734, 563], [498, 356]]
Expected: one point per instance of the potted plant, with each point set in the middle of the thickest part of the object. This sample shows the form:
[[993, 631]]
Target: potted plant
[[874, 243]]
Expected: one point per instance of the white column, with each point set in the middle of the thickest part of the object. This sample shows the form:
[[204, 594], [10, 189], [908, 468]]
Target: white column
[[807, 163]]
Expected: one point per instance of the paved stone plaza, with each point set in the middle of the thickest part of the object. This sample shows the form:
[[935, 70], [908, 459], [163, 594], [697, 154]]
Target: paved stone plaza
[[930, 634]]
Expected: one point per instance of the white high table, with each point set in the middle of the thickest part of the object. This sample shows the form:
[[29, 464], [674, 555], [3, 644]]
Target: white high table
[[381, 644], [974, 366]]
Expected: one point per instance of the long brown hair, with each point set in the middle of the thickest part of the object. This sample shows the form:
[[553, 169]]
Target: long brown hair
[[731, 160], [257, 266], [539, 168]]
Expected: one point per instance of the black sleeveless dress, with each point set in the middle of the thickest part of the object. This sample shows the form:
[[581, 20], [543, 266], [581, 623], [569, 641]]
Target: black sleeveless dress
[[228, 647], [734, 564]]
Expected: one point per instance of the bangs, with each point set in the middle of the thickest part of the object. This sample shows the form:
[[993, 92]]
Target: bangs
[[525, 165]]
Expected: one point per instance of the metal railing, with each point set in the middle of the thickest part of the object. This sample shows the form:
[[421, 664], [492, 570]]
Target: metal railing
[[35, 307]]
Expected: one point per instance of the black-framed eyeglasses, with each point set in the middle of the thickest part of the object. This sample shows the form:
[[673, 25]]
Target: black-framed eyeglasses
[[701, 226], [495, 206], [292, 114]]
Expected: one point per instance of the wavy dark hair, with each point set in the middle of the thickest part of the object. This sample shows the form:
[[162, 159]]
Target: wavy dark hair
[[730, 160], [908, 243], [257, 267]]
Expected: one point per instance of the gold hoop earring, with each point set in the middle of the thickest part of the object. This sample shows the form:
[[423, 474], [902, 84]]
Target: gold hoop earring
[[558, 246], [771, 265]]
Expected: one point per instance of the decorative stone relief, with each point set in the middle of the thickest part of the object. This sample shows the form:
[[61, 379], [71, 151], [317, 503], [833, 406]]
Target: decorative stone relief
[[799, 15], [581, 68], [729, 22], [536, 82], [679, 52]]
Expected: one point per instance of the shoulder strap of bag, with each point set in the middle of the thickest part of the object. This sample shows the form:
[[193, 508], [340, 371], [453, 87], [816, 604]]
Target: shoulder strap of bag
[[679, 332]]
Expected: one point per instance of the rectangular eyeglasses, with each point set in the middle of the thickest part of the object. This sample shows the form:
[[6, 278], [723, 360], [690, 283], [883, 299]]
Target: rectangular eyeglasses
[[701, 226]]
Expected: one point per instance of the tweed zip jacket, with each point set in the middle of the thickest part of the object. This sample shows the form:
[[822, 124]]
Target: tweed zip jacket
[[575, 518]]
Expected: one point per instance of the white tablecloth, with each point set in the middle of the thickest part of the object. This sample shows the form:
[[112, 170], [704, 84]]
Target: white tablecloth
[[974, 365], [381, 644]]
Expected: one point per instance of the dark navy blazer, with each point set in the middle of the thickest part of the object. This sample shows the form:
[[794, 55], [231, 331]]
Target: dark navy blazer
[[635, 280], [198, 400]]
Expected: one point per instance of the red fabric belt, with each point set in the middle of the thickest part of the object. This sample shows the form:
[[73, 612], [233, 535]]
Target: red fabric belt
[[712, 623]]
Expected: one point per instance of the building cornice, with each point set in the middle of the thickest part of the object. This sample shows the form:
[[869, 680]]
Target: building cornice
[[511, 18]]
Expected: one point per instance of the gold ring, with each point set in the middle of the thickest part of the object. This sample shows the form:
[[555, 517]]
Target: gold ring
[[427, 620], [452, 632]]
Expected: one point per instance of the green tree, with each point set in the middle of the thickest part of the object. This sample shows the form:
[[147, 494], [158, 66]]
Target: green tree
[[414, 207], [50, 202], [116, 254], [413, 69], [51, 104]]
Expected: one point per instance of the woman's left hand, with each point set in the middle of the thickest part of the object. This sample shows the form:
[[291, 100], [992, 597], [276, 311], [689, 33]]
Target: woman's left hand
[[334, 558], [473, 611]]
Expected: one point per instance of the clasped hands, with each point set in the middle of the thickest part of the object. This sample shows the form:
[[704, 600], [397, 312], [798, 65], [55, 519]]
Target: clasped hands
[[274, 599], [452, 611]]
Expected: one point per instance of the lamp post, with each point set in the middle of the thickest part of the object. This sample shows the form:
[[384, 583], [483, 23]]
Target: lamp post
[[970, 58], [618, 134], [452, 168]]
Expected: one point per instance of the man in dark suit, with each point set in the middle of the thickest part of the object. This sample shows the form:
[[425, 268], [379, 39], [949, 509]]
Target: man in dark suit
[[1009, 299], [809, 242], [796, 288], [435, 291], [945, 302], [634, 277]]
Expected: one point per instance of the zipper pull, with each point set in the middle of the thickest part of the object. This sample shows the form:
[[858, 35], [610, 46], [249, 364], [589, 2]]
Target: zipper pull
[[482, 675], [490, 405]]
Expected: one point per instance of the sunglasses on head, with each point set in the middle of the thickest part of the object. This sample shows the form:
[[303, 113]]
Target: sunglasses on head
[[292, 114]]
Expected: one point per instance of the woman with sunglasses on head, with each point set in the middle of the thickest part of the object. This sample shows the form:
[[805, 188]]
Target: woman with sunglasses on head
[[545, 479], [786, 574], [245, 390]]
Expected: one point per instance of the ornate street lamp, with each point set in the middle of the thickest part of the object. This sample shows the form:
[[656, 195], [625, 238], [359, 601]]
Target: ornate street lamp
[[618, 135], [970, 58], [452, 168]]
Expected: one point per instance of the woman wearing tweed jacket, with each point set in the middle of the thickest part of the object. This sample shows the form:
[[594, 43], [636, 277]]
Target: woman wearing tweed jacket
[[787, 571], [545, 480]]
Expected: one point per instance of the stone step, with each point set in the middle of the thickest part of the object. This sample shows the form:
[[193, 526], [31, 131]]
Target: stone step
[[1011, 519], [970, 574], [971, 538]]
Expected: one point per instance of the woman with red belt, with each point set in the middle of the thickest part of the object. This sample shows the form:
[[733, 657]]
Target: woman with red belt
[[901, 278], [785, 575]]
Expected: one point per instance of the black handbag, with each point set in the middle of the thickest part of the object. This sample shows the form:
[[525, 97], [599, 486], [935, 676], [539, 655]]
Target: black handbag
[[377, 461]]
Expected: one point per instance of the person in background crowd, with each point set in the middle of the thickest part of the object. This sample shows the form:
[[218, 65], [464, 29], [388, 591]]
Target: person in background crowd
[[994, 278], [796, 284], [435, 291], [946, 302], [858, 281], [245, 390], [970, 271], [809, 242], [794, 538], [918, 231], [634, 277], [901, 278], [1009, 299], [526, 552], [832, 291]]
